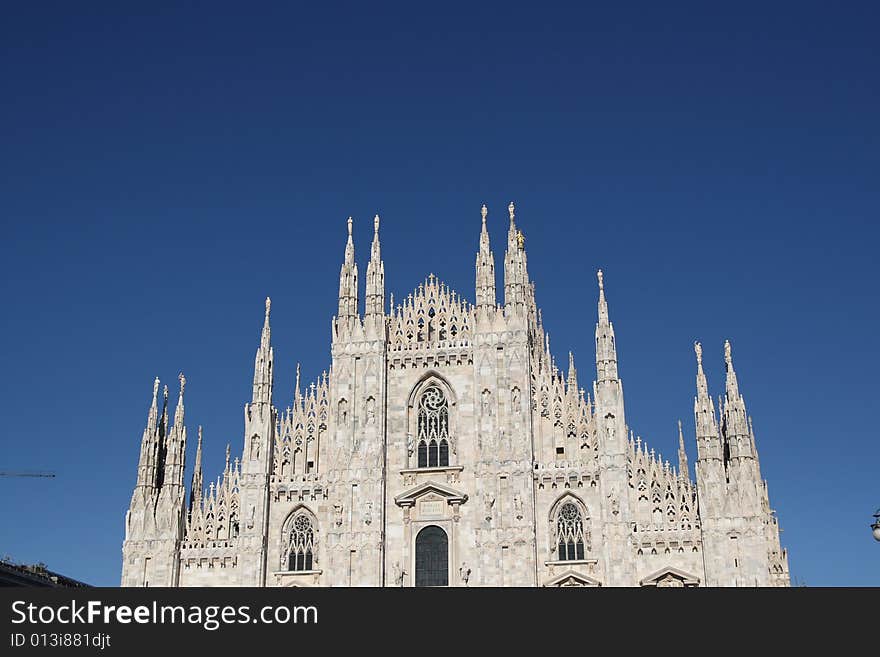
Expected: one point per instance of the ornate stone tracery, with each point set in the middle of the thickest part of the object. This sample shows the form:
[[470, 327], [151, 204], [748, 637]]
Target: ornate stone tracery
[[433, 428], [298, 542]]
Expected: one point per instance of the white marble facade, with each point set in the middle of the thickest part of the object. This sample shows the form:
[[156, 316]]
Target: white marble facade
[[445, 446]]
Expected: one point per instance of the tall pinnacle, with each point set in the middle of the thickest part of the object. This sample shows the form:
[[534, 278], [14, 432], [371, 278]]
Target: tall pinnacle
[[266, 336], [517, 289], [702, 385], [682, 455], [195, 489], [606, 347], [485, 268], [348, 282], [178, 412], [708, 444], [603, 304], [732, 383], [375, 297], [153, 414], [175, 448], [735, 427], [263, 363]]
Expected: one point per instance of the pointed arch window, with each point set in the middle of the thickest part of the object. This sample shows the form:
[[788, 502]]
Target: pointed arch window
[[300, 542], [433, 428], [571, 538]]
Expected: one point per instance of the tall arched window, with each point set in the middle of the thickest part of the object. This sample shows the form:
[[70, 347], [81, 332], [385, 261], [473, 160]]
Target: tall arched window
[[570, 535], [300, 543], [433, 429], [432, 557]]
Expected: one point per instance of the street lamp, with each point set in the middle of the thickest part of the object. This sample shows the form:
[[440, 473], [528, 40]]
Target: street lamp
[[875, 526]]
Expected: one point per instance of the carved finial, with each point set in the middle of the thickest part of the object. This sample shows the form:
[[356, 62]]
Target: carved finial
[[510, 209], [349, 226], [200, 436], [376, 224], [727, 356], [155, 390], [599, 275], [182, 379], [484, 212], [698, 349], [227, 456]]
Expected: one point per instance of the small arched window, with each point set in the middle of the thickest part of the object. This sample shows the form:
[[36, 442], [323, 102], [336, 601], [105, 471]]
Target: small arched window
[[570, 535], [433, 429], [300, 543]]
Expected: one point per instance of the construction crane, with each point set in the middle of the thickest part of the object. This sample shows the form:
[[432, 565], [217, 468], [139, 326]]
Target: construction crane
[[4, 473]]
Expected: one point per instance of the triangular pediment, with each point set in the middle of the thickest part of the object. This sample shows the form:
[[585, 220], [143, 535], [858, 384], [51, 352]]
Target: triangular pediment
[[451, 495], [670, 574], [573, 578]]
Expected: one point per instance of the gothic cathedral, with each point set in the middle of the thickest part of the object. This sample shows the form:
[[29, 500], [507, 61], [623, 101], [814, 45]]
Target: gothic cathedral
[[444, 447]]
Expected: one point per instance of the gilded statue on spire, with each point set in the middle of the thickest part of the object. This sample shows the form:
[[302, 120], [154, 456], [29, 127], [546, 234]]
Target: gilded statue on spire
[[520, 239]]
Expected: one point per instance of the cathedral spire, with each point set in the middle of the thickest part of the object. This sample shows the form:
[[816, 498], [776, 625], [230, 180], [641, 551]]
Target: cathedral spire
[[572, 374], [485, 269], [682, 455], [175, 447], [178, 412], [263, 363], [732, 384], [375, 297], [151, 445], [163, 425], [606, 348], [517, 290], [735, 420], [603, 304], [195, 489], [153, 415], [348, 283], [708, 442]]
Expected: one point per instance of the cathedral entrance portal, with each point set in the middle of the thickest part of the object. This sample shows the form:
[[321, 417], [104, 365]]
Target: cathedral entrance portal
[[432, 557]]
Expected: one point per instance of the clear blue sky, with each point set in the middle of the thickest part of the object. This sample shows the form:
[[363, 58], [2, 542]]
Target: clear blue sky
[[164, 169]]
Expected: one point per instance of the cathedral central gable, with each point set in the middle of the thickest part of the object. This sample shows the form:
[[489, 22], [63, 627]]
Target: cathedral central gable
[[433, 315]]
